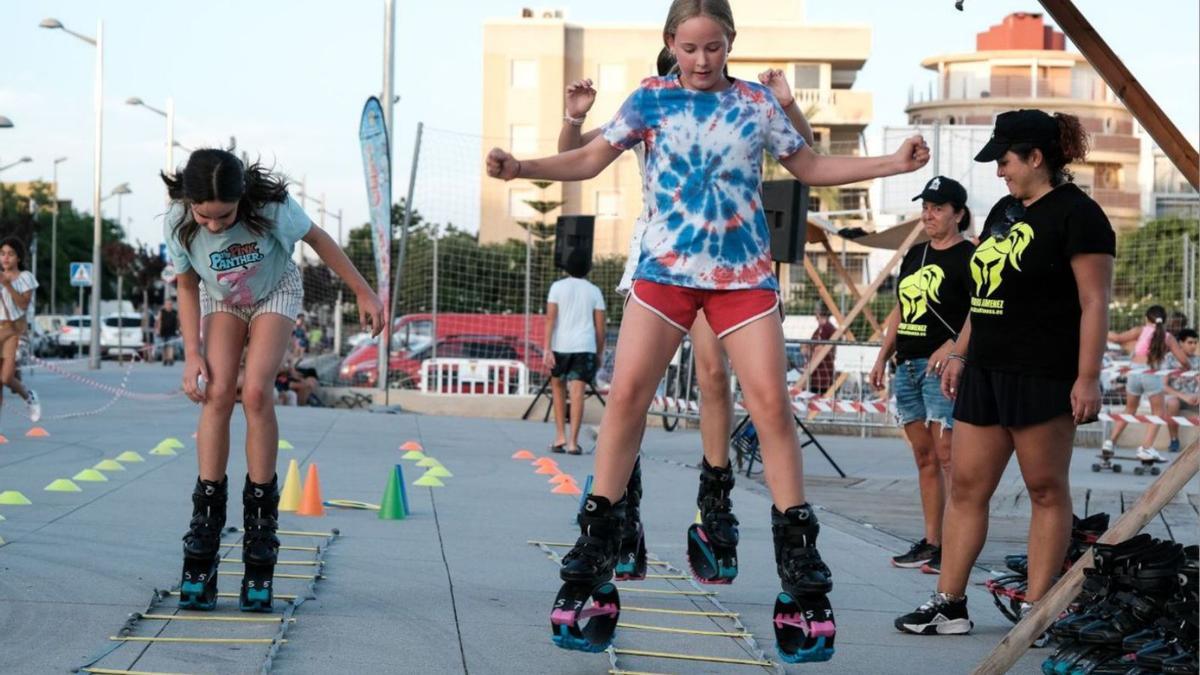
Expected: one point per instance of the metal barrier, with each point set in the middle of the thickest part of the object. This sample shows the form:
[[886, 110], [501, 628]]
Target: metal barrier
[[497, 377]]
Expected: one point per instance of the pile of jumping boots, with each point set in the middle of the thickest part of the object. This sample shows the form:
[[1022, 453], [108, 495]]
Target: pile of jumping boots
[[1137, 613], [1008, 590]]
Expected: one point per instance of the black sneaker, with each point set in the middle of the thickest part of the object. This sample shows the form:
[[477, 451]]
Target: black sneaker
[[939, 616], [934, 566], [920, 553]]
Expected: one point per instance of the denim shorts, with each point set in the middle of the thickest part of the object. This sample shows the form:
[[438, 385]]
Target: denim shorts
[[1143, 384], [919, 396]]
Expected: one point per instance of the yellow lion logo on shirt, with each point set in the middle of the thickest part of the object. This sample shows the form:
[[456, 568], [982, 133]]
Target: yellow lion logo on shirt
[[992, 255], [917, 290]]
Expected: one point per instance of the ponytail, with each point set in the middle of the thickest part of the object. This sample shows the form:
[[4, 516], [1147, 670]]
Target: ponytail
[[1158, 341], [1071, 145], [964, 222]]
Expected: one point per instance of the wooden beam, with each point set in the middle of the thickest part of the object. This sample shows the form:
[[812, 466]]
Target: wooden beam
[[844, 326], [825, 296], [837, 266], [1046, 610], [1126, 87]]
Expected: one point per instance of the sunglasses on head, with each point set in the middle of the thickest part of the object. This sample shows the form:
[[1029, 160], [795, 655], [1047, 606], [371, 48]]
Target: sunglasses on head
[[1013, 214]]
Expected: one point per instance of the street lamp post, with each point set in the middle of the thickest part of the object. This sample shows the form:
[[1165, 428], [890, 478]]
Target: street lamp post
[[54, 242], [23, 160], [337, 307], [169, 113], [97, 224]]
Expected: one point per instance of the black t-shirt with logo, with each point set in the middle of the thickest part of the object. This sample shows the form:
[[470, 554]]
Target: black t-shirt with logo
[[1024, 302], [932, 284]]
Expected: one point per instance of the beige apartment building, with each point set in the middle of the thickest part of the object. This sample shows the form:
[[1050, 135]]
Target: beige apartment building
[[529, 60], [1023, 63]]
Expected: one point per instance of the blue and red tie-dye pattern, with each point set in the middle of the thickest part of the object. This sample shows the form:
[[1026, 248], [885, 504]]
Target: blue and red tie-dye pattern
[[705, 226]]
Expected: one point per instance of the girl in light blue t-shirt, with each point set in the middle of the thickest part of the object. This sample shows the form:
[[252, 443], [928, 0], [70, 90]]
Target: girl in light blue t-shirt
[[230, 232]]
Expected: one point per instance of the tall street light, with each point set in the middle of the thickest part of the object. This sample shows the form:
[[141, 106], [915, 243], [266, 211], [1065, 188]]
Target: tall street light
[[97, 224], [54, 243], [169, 113], [23, 160]]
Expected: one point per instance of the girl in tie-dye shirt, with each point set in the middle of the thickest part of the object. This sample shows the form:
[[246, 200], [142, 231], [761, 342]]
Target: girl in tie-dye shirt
[[706, 247]]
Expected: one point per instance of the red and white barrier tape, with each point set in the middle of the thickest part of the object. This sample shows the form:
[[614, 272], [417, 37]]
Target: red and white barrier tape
[[669, 404], [1144, 370], [1189, 421]]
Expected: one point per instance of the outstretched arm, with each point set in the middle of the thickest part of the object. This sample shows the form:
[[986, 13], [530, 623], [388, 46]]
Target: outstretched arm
[[370, 309], [812, 169], [573, 165]]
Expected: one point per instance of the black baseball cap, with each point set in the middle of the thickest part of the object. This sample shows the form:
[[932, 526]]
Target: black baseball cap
[[1018, 126], [943, 190]]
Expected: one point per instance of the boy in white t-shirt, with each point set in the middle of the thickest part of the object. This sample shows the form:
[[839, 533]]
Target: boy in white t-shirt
[[574, 345]]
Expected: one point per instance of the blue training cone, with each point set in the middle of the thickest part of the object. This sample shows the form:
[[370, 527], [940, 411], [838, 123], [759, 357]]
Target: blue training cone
[[403, 490]]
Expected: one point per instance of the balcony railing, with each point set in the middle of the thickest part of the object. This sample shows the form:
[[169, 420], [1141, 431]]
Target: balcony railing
[[1116, 199], [835, 106], [1116, 143]]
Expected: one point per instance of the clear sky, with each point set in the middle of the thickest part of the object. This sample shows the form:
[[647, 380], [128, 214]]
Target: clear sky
[[288, 77]]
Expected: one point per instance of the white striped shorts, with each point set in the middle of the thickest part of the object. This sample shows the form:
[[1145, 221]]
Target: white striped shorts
[[287, 299]]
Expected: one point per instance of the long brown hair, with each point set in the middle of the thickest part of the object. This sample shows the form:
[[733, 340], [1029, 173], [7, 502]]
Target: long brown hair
[[1072, 145], [682, 10], [213, 174], [1158, 342]]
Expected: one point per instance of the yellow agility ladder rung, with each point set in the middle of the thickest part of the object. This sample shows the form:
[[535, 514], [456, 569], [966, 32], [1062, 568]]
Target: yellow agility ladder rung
[[683, 631], [690, 657], [295, 533], [655, 591], [307, 549], [682, 612], [301, 563], [233, 619], [198, 640], [226, 573], [112, 671]]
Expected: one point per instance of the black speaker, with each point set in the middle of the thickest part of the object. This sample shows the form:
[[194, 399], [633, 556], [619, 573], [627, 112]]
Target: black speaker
[[573, 239], [785, 203]]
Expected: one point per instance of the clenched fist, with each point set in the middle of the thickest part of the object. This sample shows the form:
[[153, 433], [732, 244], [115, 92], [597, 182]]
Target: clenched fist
[[912, 155], [502, 165]]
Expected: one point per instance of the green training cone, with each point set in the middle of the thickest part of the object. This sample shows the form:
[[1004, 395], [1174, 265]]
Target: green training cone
[[284, 445], [172, 442], [90, 476], [429, 481], [109, 465], [392, 505], [413, 454], [439, 472], [130, 457], [62, 485], [164, 451], [428, 462], [14, 498]]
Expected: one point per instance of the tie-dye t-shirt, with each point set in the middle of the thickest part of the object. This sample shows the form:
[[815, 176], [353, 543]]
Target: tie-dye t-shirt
[[237, 266], [705, 226]]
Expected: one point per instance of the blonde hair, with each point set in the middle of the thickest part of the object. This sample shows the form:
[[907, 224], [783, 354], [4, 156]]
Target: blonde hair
[[682, 10]]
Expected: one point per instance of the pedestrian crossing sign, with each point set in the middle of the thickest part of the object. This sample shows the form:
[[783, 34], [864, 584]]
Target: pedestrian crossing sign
[[81, 274]]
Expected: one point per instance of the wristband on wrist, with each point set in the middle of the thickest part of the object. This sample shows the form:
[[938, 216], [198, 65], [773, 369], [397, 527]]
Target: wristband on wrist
[[574, 121], [788, 104], [957, 357]]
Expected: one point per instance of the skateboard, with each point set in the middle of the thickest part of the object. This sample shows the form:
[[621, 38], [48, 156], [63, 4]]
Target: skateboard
[[1149, 466]]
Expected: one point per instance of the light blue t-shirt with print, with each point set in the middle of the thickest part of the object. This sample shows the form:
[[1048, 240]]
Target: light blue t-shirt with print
[[705, 225], [236, 266]]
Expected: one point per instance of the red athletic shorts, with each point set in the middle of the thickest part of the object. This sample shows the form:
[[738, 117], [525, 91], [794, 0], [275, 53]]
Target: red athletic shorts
[[726, 311]]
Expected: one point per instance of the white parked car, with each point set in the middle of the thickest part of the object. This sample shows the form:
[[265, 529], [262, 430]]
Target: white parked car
[[75, 330], [121, 334]]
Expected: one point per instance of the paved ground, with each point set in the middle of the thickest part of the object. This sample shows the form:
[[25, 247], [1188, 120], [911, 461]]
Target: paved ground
[[455, 587]]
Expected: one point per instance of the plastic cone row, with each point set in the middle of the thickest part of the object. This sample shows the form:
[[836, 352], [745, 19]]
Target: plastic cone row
[[109, 465], [130, 457], [310, 502], [62, 485], [289, 496], [523, 454], [14, 498], [90, 476]]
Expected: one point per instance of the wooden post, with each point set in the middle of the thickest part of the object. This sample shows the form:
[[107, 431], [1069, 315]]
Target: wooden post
[[841, 271], [1126, 87], [844, 326], [1046, 610], [825, 296]]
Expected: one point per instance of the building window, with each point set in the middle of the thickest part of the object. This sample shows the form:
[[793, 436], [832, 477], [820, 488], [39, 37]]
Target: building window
[[608, 203], [1107, 176], [523, 140], [806, 76], [517, 208], [524, 75], [611, 77]]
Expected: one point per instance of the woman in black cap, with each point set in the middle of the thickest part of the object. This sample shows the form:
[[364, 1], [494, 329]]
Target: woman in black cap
[[933, 295], [1026, 369]]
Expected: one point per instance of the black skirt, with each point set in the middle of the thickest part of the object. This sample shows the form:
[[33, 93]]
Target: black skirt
[[989, 397]]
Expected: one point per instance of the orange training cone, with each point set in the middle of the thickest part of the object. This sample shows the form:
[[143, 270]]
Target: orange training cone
[[412, 445], [562, 478], [543, 461], [548, 470], [3, 439], [310, 503], [567, 489], [37, 432], [522, 454]]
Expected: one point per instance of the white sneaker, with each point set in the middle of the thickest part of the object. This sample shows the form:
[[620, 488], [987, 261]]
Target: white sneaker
[[1149, 454], [1107, 446], [35, 406], [1041, 640]]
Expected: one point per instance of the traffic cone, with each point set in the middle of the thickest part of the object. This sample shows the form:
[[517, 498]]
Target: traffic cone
[[399, 471], [130, 457], [567, 488], [37, 432], [412, 445], [62, 485], [439, 472], [392, 505], [14, 498], [522, 454], [90, 476], [310, 503], [289, 497], [561, 478]]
